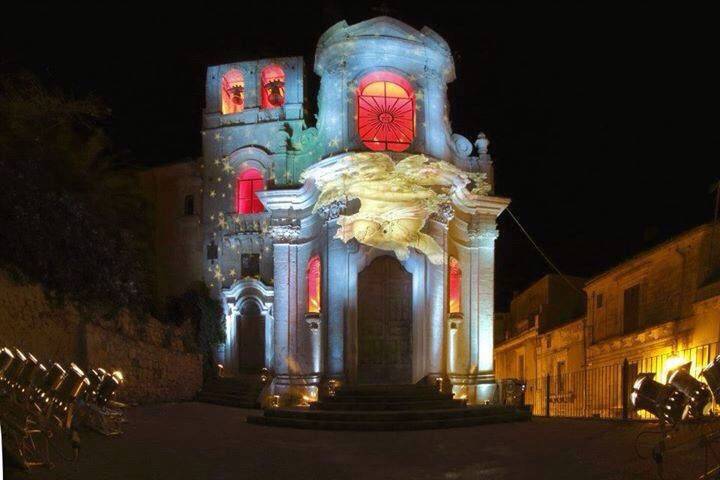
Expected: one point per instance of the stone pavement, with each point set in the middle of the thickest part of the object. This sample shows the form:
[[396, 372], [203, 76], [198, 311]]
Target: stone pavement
[[203, 441]]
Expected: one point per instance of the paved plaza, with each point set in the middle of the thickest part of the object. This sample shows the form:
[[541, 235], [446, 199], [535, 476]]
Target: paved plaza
[[203, 441]]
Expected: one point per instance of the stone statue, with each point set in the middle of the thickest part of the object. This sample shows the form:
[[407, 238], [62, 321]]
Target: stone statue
[[482, 144]]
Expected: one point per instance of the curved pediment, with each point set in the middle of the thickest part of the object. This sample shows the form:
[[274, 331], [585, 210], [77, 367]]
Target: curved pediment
[[384, 35], [383, 27]]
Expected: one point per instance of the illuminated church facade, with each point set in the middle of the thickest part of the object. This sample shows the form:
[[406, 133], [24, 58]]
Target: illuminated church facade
[[360, 250]]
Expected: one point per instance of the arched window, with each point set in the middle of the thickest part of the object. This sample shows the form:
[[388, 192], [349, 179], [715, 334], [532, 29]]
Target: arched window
[[313, 284], [249, 182], [272, 79], [386, 112], [232, 91], [454, 286]]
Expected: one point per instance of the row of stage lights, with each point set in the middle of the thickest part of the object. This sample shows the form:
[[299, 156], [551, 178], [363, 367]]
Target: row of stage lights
[[46, 405], [682, 397]]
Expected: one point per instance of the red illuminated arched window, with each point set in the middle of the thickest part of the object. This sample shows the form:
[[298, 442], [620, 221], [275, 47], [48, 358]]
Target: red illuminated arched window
[[232, 91], [454, 286], [386, 112], [313, 282], [272, 79], [248, 183]]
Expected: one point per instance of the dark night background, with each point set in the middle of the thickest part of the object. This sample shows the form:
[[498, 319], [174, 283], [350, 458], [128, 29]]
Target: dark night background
[[599, 114]]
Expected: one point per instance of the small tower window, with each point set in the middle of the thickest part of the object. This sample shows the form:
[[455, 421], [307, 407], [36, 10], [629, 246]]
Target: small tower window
[[454, 285], [386, 112], [313, 284], [250, 265], [249, 182], [232, 92], [189, 205], [273, 87]]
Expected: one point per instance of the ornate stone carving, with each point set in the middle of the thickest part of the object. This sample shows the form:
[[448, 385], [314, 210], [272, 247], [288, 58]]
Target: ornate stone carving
[[463, 147], [313, 321], [332, 210], [444, 214], [482, 234], [284, 233]]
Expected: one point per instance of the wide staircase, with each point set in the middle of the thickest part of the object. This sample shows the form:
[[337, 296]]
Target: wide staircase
[[387, 407], [241, 391]]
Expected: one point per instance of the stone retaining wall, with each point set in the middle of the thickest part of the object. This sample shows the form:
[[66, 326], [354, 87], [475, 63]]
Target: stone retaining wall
[[153, 357]]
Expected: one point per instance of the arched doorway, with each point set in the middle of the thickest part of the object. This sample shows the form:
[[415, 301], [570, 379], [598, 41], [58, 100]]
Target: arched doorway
[[384, 323], [251, 337]]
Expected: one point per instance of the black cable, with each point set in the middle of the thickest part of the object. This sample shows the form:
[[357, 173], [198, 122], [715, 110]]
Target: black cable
[[537, 247]]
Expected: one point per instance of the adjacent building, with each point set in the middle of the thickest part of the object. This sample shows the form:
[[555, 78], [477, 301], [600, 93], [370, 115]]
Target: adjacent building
[[653, 312]]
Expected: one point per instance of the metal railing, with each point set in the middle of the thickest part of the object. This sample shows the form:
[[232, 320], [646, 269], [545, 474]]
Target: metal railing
[[604, 392]]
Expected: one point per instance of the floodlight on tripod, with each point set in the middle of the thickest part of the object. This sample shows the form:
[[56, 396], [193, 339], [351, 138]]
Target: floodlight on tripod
[[699, 398], [663, 401]]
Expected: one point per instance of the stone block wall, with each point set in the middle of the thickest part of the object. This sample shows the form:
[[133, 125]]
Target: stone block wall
[[152, 357]]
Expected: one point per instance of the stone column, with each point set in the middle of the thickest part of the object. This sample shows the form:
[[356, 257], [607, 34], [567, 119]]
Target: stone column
[[473, 235], [335, 292], [297, 365], [436, 303]]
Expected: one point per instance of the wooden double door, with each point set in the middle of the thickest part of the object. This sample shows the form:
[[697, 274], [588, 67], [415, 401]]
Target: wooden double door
[[385, 323], [250, 338]]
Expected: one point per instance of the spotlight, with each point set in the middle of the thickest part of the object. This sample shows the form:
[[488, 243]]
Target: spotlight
[[73, 384], [15, 367], [29, 371], [107, 388], [711, 373], [6, 358], [697, 393], [663, 401], [53, 379]]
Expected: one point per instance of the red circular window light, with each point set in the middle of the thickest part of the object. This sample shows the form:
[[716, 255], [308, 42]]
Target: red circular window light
[[273, 86], [386, 111], [249, 182]]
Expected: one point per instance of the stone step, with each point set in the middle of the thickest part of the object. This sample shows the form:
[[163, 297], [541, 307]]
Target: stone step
[[388, 425], [373, 406], [386, 398], [387, 416], [357, 390], [247, 390]]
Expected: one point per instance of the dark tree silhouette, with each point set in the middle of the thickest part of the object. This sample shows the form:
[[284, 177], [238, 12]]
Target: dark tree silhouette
[[72, 216]]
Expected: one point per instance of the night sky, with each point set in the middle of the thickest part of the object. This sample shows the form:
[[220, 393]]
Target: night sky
[[599, 115]]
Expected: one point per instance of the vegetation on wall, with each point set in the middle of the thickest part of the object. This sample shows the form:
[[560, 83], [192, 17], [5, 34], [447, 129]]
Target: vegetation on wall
[[205, 313], [72, 215]]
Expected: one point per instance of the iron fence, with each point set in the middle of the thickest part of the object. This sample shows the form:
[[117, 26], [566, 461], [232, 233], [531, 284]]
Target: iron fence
[[604, 392]]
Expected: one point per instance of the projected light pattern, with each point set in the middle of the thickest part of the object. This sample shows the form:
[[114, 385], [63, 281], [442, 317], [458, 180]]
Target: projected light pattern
[[395, 199]]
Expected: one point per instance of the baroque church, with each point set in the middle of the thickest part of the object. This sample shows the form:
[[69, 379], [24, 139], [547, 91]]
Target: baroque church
[[358, 251]]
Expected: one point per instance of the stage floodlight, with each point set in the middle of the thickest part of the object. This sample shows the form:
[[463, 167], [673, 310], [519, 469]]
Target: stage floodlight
[[6, 359], [663, 401], [711, 374], [697, 393], [73, 384], [12, 372], [30, 369], [54, 379], [109, 385]]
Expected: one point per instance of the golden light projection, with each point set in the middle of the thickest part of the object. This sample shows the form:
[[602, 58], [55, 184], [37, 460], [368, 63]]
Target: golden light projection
[[396, 199]]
